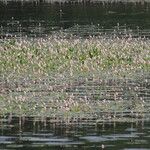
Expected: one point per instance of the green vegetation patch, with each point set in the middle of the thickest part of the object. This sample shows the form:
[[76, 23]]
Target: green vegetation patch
[[74, 77], [45, 56]]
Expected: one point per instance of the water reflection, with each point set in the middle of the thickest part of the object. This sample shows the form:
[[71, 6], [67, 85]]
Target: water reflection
[[35, 134]]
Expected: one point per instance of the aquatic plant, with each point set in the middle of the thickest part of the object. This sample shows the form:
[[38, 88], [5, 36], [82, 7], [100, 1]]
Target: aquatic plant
[[43, 56], [74, 77]]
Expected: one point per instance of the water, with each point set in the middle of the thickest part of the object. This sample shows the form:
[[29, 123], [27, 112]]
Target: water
[[41, 18], [32, 133]]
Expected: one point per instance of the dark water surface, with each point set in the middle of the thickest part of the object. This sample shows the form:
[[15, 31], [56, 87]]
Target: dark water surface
[[30, 133], [40, 18]]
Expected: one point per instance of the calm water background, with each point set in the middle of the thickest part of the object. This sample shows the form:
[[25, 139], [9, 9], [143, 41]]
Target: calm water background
[[40, 18], [34, 134]]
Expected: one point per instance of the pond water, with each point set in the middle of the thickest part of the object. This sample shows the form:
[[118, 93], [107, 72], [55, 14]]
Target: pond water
[[31, 133], [41, 18]]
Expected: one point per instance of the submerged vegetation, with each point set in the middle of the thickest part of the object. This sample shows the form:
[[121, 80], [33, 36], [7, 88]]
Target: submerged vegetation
[[75, 77]]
